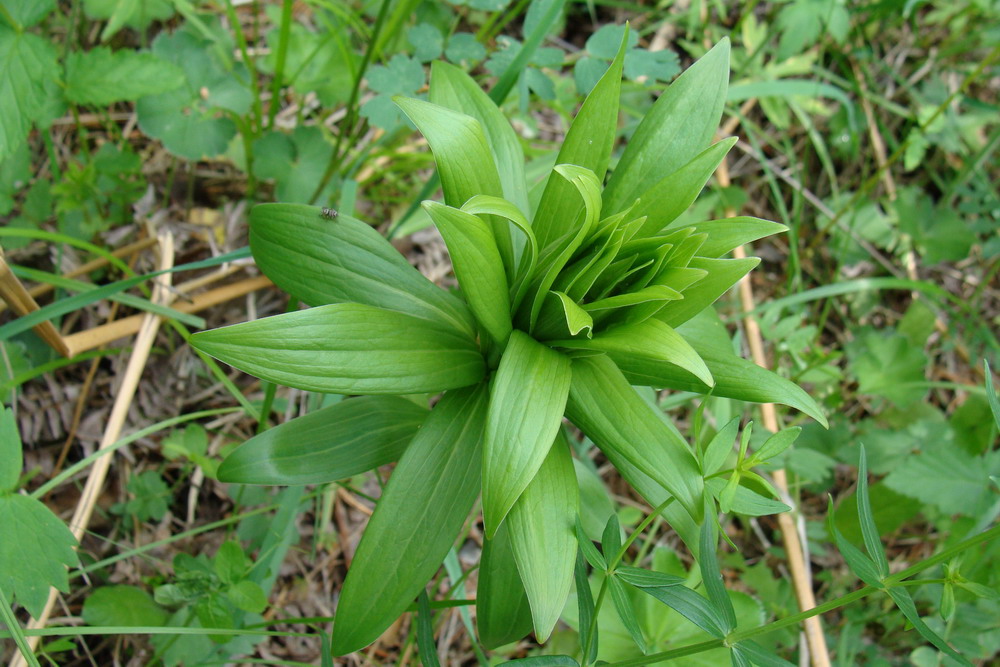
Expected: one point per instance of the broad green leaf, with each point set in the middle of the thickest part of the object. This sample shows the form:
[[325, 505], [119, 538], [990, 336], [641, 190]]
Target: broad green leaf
[[722, 274], [557, 254], [604, 405], [708, 561], [464, 161], [323, 261], [452, 87], [187, 119], [230, 563], [488, 205], [869, 531], [691, 606], [527, 398], [746, 501], [478, 267], [725, 235], [665, 200], [247, 596], [623, 605], [28, 83], [28, 12], [562, 317], [734, 376], [11, 454], [348, 348], [541, 536], [588, 144], [720, 447], [657, 293], [860, 564], [503, 614], [643, 347], [125, 606], [678, 127], [416, 521], [905, 603], [37, 561], [426, 646], [332, 443], [647, 578], [100, 77], [776, 444]]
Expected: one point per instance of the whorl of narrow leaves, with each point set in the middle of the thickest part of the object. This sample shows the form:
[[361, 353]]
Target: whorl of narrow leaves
[[559, 311]]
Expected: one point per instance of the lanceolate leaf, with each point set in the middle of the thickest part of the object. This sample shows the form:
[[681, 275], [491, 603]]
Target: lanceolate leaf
[[711, 576], [487, 205], [323, 261], [588, 144], [623, 605], [478, 267], [503, 614], [903, 600], [674, 193], [722, 274], [332, 443], [528, 396], [416, 521], [678, 127], [348, 348], [604, 405], [691, 606], [463, 159], [725, 235], [541, 535], [451, 87], [869, 531], [634, 347]]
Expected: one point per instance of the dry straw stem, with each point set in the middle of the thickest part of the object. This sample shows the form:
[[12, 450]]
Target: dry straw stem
[[130, 381], [797, 563], [14, 293]]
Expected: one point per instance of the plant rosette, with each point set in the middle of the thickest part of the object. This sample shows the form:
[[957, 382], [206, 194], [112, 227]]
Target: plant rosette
[[563, 306]]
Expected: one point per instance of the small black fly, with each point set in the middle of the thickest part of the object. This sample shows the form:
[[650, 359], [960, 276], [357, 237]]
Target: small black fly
[[329, 213]]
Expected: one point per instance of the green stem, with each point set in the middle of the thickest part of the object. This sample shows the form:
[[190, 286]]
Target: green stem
[[241, 42], [894, 580], [279, 67], [352, 102], [593, 620]]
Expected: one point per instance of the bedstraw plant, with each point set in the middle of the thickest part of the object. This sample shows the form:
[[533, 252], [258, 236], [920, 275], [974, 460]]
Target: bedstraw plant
[[571, 292]]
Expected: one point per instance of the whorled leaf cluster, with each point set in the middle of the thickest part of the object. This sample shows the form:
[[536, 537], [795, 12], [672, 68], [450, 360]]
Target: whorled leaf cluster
[[570, 292]]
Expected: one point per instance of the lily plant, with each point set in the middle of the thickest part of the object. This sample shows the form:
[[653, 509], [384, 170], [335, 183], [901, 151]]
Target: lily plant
[[572, 290]]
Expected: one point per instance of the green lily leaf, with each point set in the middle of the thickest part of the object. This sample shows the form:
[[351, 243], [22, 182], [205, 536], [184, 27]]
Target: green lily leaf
[[503, 614], [451, 87], [719, 448], [332, 443], [322, 261], [678, 127], [674, 193], [722, 274], [561, 317], [478, 267], [626, 612], [348, 348], [415, 522], [528, 395], [905, 603], [588, 144], [541, 534], [725, 235], [708, 561], [464, 161], [645, 345], [487, 205], [606, 408]]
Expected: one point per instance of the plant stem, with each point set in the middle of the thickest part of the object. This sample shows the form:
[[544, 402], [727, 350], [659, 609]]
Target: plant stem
[[279, 67], [894, 580], [352, 103]]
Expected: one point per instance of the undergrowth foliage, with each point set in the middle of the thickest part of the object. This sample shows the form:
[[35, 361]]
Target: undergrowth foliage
[[569, 295]]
